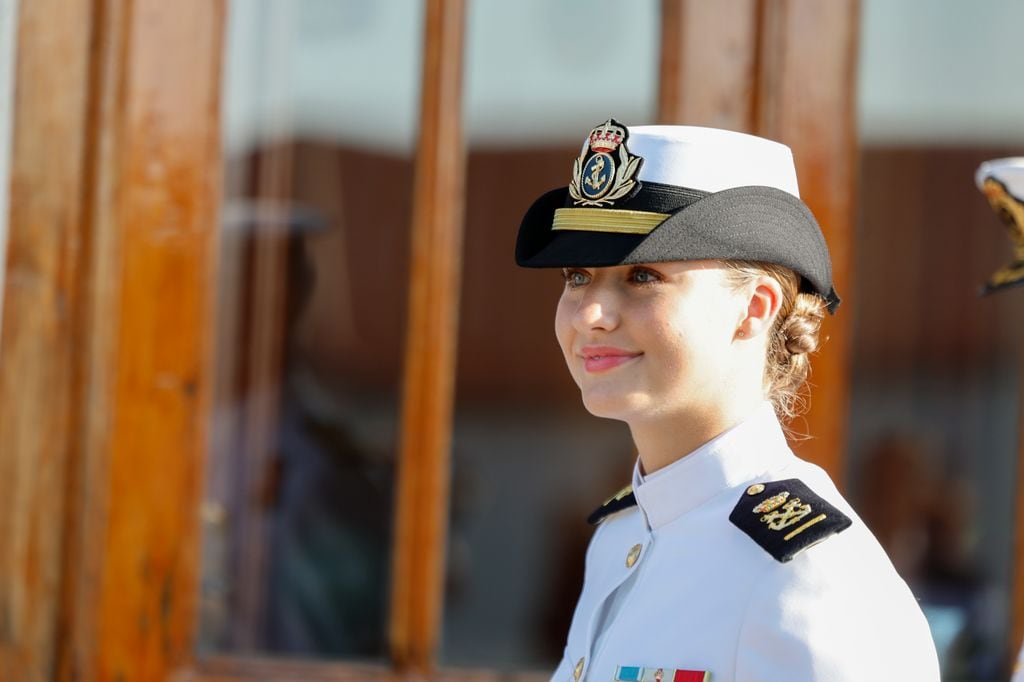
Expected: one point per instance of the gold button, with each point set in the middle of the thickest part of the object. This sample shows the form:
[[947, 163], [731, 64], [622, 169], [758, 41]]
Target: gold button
[[755, 489], [578, 670], [634, 554]]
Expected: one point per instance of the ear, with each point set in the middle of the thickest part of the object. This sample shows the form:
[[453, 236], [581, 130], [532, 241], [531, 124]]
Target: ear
[[762, 307]]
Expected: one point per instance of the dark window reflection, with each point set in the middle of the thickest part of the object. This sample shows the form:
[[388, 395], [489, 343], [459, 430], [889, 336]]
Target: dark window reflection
[[319, 109], [330, 511], [302, 461]]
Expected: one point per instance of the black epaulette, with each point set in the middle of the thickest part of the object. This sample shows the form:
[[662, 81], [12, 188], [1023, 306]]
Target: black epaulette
[[624, 499], [785, 517]]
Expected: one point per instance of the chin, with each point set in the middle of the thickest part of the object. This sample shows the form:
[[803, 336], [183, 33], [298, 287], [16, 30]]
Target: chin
[[615, 405]]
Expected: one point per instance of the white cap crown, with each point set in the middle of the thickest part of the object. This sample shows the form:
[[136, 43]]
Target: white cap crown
[[711, 160], [1008, 171]]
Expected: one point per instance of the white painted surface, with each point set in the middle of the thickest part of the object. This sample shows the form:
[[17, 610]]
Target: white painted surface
[[346, 70], [539, 72], [536, 71], [941, 71]]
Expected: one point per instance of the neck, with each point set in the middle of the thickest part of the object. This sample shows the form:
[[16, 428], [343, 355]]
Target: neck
[[666, 439]]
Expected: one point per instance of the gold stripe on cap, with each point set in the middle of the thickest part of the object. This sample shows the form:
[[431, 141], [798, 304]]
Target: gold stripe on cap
[[607, 220]]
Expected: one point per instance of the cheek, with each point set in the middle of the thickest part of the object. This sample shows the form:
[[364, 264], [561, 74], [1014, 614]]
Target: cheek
[[692, 341], [563, 327], [678, 347], [708, 334]]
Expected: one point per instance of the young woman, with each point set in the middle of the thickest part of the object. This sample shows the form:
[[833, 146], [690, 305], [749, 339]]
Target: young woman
[[695, 283]]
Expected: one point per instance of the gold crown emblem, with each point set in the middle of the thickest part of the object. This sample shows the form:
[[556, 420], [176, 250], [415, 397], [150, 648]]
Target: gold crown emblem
[[607, 137], [772, 503], [605, 171]]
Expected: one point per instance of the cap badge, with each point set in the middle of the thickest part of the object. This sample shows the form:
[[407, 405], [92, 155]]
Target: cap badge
[[1010, 210], [605, 171], [791, 512]]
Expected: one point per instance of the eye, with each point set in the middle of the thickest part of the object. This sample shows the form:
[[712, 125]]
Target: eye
[[644, 276], [575, 278]]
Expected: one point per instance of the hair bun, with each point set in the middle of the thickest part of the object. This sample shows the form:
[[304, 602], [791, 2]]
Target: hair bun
[[800, 328], [789, 356]]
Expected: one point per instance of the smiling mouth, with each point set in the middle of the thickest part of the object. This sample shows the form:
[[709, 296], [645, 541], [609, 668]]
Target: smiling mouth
[[602, 363]]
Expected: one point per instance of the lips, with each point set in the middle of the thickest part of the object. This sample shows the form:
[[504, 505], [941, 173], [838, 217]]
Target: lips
[[604, 358]]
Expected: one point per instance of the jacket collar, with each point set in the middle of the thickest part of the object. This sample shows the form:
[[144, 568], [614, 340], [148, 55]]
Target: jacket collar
[[739, 455]]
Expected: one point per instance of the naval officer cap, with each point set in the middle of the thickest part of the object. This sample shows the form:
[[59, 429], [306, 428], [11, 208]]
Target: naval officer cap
[[650, 194], [1002, 183]]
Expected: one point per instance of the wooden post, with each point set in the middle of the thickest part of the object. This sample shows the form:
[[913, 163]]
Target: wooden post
[[152, 184], [806, 99], [421, 522], [39, 357], [708, 63]]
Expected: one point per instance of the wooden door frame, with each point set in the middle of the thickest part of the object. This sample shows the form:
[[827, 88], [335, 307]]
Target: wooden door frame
[[104, 391], [105, 396], [428, 383], [43, 308]]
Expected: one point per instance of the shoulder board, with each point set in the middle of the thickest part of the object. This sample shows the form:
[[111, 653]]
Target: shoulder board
[[786, 517], [624, 499]]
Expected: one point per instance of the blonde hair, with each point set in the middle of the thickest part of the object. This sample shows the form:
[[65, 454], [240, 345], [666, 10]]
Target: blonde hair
[[794, 336]]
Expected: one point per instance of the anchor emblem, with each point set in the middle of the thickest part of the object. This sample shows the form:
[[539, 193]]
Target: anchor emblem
[[605, 171]]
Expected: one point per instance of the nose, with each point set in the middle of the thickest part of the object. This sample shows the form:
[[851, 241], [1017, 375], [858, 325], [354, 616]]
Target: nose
[[597, 310]]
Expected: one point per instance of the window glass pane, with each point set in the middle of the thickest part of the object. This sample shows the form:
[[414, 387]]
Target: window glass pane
[[310, 327], [529, 462]]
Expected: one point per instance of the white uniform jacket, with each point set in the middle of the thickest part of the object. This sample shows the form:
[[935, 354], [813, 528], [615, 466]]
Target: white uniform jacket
[[674, 591]]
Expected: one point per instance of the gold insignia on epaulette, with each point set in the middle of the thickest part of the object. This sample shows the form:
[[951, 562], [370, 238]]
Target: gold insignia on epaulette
[[624, 499], [772, 503], [783, 508], [807, 524], [619, 495], [790, 513], [600, 176]]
